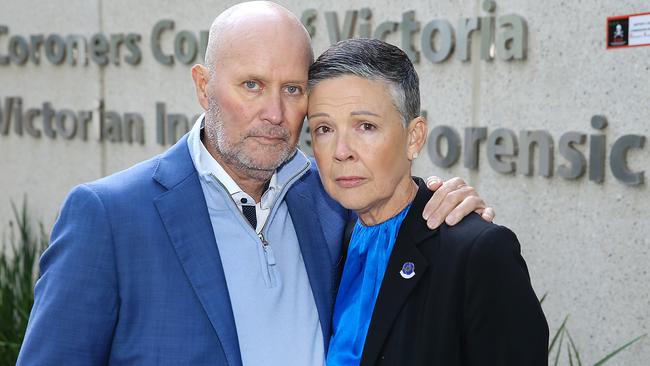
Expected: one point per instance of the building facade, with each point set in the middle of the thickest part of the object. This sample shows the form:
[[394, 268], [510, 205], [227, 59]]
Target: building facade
[[544, 107]]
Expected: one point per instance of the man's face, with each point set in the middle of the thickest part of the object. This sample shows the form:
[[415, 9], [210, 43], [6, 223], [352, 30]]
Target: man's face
[[257, 99]]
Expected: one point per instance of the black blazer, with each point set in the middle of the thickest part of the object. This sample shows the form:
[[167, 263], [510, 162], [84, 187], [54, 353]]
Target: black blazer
[[469, 303]]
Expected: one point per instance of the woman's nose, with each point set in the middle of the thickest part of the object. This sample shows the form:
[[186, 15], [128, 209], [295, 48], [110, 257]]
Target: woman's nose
[[344, 151]]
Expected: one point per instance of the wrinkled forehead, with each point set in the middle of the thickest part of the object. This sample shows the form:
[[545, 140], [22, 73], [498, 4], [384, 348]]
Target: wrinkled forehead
[[266, 60], [275, 40]]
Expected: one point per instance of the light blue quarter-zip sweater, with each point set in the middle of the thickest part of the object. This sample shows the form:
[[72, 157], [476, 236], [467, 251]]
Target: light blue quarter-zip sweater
[[273, 305]]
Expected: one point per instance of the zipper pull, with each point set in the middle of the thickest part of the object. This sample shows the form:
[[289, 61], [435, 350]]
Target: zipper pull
[[264, 242], [268, 251]]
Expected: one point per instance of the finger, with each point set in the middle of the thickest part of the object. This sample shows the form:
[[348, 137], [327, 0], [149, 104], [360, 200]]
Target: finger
[[434, 182], [488, 214], [448, 204], [464, 208], [434, 221], [439, 196]]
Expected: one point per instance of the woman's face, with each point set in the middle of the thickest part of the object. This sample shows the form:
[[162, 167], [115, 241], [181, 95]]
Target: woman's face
[[362, 148]]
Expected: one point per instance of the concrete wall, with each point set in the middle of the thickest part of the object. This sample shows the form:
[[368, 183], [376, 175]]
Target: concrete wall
[[587, 244]]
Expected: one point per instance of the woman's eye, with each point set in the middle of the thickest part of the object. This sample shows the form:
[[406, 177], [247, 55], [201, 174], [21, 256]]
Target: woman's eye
[[322, 130], [367, 126], [252, 85]]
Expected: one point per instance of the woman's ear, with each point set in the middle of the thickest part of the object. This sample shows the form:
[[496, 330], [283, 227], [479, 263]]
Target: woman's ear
[[417, 136], [201, 76]]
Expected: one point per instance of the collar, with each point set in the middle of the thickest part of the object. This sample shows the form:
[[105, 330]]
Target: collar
[[414, 225], [209, 168]]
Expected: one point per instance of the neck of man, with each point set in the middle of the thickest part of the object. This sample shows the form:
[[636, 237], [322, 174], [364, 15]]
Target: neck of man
[[252, 181]]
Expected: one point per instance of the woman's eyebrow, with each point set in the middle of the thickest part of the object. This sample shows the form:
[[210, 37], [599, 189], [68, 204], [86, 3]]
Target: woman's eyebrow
[[364, 113], [319, 114]]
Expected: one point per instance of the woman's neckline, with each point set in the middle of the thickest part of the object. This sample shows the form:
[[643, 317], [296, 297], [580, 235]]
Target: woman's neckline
[[410, 198]]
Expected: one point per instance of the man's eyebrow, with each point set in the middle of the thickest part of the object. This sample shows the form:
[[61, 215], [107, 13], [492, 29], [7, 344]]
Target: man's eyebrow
[[299, 82], [320, 114], [255, 77], [364, 113]]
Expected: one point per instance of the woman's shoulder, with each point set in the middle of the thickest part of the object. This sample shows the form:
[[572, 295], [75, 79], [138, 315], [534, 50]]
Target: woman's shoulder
[[483, 241]]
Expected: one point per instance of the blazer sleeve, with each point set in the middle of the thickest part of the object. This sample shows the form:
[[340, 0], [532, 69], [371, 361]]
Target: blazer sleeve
[[76, 302], [503, 320]]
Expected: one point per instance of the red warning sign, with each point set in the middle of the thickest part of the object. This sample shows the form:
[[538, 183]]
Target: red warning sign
[[630, 30]]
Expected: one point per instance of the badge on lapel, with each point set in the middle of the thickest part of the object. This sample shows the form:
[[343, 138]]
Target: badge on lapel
[[408, 270]]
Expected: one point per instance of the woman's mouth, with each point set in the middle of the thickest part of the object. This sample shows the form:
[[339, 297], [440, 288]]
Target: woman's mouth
[[350, 181]]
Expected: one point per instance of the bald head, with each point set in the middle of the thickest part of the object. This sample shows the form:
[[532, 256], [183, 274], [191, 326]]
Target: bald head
[[253, 19], [253, 88]]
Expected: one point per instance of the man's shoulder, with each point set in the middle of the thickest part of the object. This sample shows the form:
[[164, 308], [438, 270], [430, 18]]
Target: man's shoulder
[[131, 189], [133, 178], [162, 171]]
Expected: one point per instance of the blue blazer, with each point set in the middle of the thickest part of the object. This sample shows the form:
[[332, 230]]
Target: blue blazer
[[133, 276]]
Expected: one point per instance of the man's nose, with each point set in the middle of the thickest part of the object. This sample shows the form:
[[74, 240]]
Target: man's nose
[[273, 109]]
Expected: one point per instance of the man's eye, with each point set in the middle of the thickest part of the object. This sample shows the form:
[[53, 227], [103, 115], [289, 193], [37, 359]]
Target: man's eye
[[293, 89], [252, 85]]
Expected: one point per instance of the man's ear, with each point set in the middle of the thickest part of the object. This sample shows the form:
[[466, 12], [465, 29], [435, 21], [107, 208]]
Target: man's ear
[[201, 76], [417, 136]]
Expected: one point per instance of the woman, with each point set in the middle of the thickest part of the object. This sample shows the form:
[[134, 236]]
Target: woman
[[409, 296]]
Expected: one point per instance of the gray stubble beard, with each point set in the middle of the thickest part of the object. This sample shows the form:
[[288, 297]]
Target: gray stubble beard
[[235, 154]]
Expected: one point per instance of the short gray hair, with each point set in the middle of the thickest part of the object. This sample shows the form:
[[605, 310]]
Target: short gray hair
[[374, 60]]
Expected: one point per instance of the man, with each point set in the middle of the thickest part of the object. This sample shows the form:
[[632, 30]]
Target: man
[[225, 250]]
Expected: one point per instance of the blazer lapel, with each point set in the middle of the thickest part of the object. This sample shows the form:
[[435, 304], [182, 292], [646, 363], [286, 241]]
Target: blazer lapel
[[185, 216], [315, 253], [395, 289]]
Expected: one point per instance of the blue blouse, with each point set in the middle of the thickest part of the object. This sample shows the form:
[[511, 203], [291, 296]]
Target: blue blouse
[[368, 253]]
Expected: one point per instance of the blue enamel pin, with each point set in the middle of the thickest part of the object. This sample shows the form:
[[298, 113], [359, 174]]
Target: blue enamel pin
[[408, 270]]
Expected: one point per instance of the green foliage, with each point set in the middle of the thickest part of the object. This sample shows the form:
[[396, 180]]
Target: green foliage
[[555, 349], [21, 248]]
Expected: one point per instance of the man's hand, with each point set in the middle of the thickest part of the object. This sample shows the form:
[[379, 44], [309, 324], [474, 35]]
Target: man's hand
[[452, 200]]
